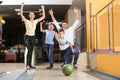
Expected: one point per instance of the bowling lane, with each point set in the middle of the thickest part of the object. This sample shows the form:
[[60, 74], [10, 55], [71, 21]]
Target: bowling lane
[[41, 73]]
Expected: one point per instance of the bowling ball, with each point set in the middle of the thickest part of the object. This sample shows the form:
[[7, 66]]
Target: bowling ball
[[67, 69]]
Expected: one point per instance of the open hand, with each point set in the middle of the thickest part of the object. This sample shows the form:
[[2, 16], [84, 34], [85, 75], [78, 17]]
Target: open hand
[[22, 3], [50, 11], [75, 10], [42, 6]]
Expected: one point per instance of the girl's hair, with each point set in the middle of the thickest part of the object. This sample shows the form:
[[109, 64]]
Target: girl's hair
[[31, 12]]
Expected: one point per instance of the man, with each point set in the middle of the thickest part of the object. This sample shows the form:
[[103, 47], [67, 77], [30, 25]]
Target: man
[[69, 32], [29, 38]]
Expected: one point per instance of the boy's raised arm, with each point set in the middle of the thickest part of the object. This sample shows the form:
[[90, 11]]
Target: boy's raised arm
[[41, 28]]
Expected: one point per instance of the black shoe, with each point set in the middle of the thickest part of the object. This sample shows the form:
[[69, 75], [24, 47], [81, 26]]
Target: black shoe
[[32, 67], [50, 67], [75, 67], [62, 64]]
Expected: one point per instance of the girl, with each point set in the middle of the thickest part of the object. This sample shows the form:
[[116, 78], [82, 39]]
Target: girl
[[30, 25]]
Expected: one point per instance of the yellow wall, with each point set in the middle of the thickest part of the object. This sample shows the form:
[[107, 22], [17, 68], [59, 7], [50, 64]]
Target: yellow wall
[[116, 24], [109, 63], [0, 18], [103, 39], [96, 6]]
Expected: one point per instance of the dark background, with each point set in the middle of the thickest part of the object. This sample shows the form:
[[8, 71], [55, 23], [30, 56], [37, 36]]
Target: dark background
[[14, 31]]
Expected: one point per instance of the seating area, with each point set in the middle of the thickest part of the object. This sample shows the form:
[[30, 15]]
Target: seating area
[[10, 57], [14, 54]]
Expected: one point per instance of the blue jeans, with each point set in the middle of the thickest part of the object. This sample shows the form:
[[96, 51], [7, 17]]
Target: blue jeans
[[76, 53], [65, 55], [49, 49]]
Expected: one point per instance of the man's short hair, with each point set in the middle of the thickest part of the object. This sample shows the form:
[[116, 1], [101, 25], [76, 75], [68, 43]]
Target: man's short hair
[[64, 22]]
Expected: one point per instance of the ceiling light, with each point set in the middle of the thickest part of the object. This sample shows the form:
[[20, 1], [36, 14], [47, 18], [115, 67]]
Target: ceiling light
[[36, 11], [18, 13], [17, 10], [40, 9]]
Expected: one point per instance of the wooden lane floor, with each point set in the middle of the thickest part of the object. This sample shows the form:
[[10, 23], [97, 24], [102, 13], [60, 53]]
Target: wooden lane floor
[[41, 73]]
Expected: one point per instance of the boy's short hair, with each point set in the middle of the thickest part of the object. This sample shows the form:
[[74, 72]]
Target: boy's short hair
[[61, 30], [51, 24]]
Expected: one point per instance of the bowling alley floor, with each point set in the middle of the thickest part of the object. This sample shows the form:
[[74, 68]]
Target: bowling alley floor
[[41, 73]]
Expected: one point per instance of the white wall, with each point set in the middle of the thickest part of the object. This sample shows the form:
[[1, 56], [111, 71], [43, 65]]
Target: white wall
[[37, 2], [71, 17]]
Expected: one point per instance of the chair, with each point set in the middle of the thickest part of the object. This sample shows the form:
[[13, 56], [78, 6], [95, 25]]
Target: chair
[[10, 57]]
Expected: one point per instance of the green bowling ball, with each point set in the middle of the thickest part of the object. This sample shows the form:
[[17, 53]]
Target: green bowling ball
[[67, 69]]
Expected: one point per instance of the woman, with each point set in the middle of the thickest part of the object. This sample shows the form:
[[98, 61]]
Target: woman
[[30, 25]]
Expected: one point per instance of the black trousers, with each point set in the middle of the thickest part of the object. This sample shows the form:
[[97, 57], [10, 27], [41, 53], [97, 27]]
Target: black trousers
[[29, 43]]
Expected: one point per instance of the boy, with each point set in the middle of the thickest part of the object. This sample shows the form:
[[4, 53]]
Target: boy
[[65, 46], [49, 43]]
